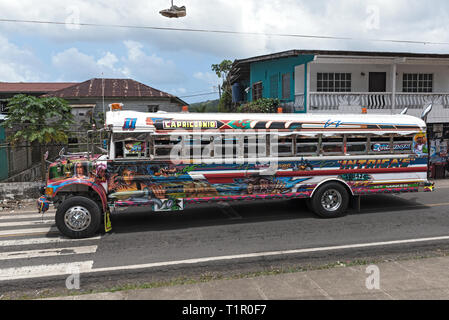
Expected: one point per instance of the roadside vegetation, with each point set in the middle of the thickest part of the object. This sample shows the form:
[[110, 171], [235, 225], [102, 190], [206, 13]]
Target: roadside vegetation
[[35, 119]]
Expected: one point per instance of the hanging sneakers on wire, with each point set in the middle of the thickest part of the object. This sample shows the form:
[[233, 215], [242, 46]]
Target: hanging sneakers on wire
[[174, 12]]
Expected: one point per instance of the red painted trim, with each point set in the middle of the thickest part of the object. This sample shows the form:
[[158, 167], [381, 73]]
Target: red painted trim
[[339, 172], [227, 177]]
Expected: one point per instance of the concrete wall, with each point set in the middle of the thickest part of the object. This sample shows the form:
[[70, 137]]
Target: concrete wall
[[28, 175], [20, 190]]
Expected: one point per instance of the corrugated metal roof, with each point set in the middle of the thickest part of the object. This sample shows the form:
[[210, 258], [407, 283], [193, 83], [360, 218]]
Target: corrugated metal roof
[[29, 87], [113, 88], [241, 69]]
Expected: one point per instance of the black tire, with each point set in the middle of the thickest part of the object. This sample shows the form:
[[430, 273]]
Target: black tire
[[330, 201], [87, 209]]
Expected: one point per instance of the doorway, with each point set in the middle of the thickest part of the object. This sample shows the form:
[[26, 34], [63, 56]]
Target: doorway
[[377, 82]]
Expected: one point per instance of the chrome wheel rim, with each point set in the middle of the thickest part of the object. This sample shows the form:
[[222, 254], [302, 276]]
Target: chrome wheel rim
[[77, 218], [331, 200]]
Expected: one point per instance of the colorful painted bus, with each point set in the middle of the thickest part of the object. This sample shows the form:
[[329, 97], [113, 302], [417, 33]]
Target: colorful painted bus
[[167, 161]]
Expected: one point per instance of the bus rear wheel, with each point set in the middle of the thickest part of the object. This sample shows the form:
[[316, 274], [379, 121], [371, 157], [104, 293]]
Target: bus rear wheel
[[78, 217], [330, 201]]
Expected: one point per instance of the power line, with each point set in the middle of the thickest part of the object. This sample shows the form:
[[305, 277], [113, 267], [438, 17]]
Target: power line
[[224, 32], [199, 94]]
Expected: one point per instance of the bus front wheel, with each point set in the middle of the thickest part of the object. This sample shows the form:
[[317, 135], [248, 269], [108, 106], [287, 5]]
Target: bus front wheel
[[330, 201], [78, 217]]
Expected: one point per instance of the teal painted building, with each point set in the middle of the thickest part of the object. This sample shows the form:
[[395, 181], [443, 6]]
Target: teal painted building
[[3, 155], [272, 76]]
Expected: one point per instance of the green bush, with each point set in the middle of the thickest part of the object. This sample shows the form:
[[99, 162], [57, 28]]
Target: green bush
[[264, 105]]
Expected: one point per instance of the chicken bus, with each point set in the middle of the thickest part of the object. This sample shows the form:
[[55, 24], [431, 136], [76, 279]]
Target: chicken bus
[[167, 161]]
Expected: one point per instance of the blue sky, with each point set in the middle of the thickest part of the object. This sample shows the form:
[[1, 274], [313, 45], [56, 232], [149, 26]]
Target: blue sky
[[180, 62]]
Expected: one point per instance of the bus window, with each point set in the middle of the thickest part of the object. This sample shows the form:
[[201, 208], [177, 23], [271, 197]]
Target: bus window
[[198, 147], [402, 144], [282, 146], [119, 149], [380, 145], [255, 146], [161, 146], [134, 149], [356, 144], [306, 146], [332, 145]]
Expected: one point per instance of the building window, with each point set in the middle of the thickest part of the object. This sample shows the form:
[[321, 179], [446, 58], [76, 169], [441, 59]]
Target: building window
[[333, 82], [3, 106], [274, 86], [417, 82], [286, 86], [153, 108], [257, 91]]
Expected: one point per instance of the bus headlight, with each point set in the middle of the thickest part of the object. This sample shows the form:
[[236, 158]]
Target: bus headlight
[[49, 192]]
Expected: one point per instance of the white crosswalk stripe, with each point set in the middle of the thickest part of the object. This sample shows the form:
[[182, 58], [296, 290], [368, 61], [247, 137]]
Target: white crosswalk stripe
[[27, 223], [46, 270], [26, 216], [29, 231], [27, 252], [34, 241], [46, 252]]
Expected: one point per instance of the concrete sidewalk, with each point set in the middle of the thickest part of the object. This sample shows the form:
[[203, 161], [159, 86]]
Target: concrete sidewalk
[[412, 279]]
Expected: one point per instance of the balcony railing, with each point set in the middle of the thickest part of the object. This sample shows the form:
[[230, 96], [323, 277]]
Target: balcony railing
[[332, 101]]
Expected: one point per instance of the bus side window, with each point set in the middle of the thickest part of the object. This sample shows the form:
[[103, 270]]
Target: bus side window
[[306, 146], [119, 149], [356, 144], [332, 145], [380, 145], [281, 146], [402, 144]]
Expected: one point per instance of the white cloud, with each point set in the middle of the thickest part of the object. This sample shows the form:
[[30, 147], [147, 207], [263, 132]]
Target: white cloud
[[18, 64], [208, 77], [400, 19], [73, 64]]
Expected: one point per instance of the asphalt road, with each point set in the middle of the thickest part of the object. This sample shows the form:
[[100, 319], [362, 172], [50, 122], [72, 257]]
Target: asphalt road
[[217, 239]]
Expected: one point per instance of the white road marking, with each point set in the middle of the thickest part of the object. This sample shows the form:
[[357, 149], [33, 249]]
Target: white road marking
[[27, 223], [33, 241], [13, 216], [17, 232], [46, 253], [86, 267], [47, 270], [264, 254]]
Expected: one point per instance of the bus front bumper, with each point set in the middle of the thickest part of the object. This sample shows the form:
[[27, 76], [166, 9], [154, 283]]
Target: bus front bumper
[[43, 204]]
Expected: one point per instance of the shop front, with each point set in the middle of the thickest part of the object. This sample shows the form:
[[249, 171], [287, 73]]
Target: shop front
[[438, 135]]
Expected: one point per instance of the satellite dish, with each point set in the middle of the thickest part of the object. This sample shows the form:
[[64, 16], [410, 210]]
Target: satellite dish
[[426, 111], [174, 11], [404, 111]]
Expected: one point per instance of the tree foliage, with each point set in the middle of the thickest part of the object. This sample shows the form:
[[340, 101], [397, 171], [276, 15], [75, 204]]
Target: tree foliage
[[222, 71], [264, 105], [44, 120]]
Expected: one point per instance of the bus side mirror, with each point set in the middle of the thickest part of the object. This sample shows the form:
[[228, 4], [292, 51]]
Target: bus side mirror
[[426, 111]]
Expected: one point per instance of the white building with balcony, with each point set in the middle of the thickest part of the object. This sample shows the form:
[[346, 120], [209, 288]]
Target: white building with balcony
[[336, 82], [345, 81]]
